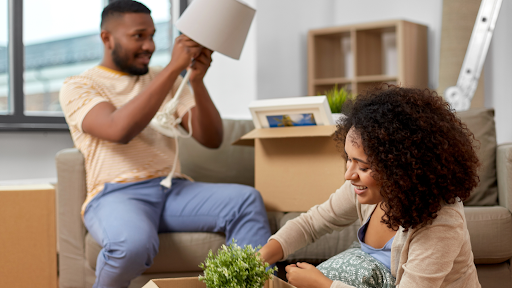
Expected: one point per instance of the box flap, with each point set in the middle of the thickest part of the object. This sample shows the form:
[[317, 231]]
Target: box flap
[[150, 284], [27, 187], [184, 282], [286, 132]]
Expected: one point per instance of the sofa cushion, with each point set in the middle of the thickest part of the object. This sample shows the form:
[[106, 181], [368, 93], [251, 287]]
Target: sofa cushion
[[490, 232], [481, 123], [190, 248], [178, 252], [494, 275], [227, 164]]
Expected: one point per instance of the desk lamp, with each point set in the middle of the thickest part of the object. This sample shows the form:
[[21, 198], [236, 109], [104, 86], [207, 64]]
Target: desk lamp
[[219, 25]]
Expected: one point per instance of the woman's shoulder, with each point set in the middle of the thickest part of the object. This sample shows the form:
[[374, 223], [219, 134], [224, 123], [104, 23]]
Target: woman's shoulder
[[449, 218], [451, 213]]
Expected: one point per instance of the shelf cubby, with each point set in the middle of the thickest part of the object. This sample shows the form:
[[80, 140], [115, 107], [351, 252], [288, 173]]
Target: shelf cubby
[[363, 55], [329, 49]]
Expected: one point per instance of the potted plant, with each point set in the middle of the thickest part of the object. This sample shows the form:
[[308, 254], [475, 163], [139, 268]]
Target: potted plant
[[336, 98], [235, 267]]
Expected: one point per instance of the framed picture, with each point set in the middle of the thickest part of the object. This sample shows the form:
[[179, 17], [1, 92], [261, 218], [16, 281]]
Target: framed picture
[[286, 112]]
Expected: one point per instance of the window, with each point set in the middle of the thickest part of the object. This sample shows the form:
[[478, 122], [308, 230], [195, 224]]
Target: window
[[47, 42], [61, 39], [43, 42]]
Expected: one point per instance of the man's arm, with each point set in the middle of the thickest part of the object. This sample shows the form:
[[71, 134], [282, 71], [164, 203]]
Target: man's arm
[[206, 122], [121, 125]]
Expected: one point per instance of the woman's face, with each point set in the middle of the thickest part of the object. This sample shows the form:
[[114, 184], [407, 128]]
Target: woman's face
[[359, 172]]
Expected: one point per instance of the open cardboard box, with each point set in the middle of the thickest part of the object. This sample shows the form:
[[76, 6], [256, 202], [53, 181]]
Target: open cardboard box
[[193, 282], [295, 167]]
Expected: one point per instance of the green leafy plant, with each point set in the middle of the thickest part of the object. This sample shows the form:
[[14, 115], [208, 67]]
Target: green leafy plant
[[337, 97], [235, 267]]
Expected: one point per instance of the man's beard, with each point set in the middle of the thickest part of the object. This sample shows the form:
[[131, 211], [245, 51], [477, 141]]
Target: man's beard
[[121, 62]]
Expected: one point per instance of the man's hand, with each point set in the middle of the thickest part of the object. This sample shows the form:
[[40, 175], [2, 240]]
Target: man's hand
[[304, 275], [184, 50], [200, 65], [206, 121]]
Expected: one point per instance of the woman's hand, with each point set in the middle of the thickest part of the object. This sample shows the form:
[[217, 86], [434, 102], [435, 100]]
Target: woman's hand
[[304, 275], [271, 252]]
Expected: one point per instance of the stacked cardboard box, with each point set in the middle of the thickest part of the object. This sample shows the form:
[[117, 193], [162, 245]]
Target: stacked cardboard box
[[28, 239]]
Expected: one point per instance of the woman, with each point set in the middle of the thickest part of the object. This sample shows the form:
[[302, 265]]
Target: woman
[[410, 164]]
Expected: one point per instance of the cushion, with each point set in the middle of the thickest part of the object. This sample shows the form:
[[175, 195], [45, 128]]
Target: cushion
[[178, 252], [490, 233], [214, 165], [357, 268], [494, 275], [189, 248], [481, 123]]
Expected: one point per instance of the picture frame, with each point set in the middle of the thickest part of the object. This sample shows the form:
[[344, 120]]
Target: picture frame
[[293, 111]]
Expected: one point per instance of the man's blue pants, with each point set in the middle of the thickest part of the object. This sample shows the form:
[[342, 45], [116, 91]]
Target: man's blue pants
[[125, 219]]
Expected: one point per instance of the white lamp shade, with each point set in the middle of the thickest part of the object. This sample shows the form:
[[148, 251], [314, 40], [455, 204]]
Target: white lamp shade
[[219, 25]]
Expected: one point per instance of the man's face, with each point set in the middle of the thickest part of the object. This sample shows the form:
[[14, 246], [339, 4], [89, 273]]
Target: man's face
[[133, 42]]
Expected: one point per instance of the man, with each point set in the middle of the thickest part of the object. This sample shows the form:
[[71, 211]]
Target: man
[[108, 109]]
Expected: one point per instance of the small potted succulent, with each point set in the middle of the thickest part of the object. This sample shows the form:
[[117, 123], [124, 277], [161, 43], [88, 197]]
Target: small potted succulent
[[235, 267], [336, 98]]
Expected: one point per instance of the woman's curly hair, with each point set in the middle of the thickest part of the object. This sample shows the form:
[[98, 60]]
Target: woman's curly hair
[[418, 149]]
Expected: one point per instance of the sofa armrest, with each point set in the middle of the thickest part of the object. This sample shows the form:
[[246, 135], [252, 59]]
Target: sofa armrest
[[71, 192], [504, 174]]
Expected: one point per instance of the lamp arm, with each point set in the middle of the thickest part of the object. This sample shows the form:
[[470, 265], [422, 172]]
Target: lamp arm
[[165, 122], [183, 83], [460, 96]]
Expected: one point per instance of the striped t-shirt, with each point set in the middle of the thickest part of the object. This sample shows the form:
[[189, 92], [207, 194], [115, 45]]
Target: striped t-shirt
[[148, 155]]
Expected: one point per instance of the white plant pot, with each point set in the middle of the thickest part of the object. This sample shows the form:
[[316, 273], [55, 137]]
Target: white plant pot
[[336, 116]]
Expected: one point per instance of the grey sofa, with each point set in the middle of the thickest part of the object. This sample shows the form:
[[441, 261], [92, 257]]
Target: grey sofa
[[490, 226]]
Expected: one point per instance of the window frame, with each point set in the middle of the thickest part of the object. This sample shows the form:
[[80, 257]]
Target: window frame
[[16, 120]]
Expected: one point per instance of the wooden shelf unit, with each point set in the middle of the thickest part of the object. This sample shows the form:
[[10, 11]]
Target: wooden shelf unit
[[363, 55]]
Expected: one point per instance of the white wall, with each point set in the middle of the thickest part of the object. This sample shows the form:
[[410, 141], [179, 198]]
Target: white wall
[[30, 155], [282, 44]]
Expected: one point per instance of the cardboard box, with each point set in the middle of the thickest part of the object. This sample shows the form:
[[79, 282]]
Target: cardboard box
[[28, 237], [193, 282], [295, 167]]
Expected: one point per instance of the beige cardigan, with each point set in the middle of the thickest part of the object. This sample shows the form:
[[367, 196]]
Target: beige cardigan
[[437, 255]]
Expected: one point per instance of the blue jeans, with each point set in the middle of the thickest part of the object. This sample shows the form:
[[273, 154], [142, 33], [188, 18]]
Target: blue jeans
[[125, 219]]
